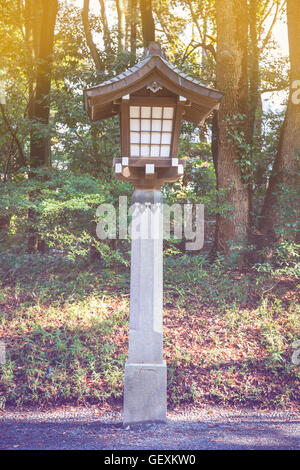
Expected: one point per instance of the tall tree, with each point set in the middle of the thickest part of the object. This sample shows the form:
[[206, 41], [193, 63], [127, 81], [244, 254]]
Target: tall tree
[[43, 41], [260, 35], [232, 122], [106, 32], [285, 172], [254, 75], [121, 24], [88, 36], [40, 24], [132, 18], [148, 26]]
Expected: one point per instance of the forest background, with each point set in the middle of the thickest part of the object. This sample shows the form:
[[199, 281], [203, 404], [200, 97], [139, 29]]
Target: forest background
[[231, 309]]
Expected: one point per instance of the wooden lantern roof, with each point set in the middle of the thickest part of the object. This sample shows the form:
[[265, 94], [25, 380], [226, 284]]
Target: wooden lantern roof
[[152, 76]]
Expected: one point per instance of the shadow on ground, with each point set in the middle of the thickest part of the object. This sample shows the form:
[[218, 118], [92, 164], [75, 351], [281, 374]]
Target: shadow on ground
[[236, 433]]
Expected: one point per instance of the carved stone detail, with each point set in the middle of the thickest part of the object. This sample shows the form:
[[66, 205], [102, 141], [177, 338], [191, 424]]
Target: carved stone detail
[[154, 87]]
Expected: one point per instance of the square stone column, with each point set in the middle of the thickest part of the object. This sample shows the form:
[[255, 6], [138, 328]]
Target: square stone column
[[145, 370]]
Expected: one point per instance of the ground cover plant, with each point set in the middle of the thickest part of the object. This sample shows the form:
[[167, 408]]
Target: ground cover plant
[[228, 332]]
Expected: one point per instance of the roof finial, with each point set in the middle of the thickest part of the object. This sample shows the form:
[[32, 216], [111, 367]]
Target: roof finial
[[154, 48]]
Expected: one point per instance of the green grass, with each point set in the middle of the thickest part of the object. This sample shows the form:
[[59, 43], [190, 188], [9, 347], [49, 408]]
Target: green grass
[[227, 333]]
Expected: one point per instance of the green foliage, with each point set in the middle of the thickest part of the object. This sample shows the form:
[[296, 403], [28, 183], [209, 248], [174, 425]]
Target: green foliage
[[288, 223], [65, 326], [237, 138], [84, 149], [284, 259], [65, 212]]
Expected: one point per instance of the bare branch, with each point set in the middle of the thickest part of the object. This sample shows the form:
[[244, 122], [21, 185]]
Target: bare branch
[[268, 35], [88, 35], [272, 90], [207, 47], [14, 135], [195, 20]]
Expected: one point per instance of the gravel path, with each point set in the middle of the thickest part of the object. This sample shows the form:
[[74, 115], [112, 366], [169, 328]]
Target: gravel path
[[193, 429]]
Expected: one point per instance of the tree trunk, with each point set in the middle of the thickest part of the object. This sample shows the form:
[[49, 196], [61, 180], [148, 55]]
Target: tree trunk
[[232, 152], [133, 32], [121, 25], [285, 172], [106, 32], [148, 27], [4, 222], [88, 36], [255, 101], [254, 76], [42, 26], [39, 149]]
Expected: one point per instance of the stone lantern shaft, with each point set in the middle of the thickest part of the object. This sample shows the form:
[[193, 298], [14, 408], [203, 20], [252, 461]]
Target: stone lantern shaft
[[145, 369]]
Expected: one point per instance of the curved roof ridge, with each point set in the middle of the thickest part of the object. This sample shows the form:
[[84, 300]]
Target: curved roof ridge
[[100, 100], [121, 75]]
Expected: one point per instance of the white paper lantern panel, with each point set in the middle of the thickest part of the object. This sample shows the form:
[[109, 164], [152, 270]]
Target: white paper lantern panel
[[146, 112], [134, 111], [145, 137], [156, 125], [168, 113], [134, 124], [134, 137], [145, 150], [165, 150], [167, 126], [155, 137], [145, 124], [155, 150], [166, 138], [135, 150], [156, 112]]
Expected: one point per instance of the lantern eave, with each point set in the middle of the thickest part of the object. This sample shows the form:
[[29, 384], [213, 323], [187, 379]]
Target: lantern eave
[[100, 100]]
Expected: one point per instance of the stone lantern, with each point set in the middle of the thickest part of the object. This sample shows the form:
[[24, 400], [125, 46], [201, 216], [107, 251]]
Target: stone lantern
[[152, 98]]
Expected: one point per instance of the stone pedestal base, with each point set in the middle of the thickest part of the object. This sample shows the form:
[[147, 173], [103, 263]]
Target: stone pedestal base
[[145, 396]]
